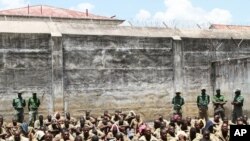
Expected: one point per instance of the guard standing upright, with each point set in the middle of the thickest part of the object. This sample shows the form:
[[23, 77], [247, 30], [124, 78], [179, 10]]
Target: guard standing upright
[[19, 104], [219, 101], [202, 102], [177, 102], [33, 105], [238, 104]]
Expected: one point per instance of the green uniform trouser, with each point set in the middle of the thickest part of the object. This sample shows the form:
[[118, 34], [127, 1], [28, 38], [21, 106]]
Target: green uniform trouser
[[19, 115], [179, 111], [237, 112], [32, 116], [203, 112], [220, 111]]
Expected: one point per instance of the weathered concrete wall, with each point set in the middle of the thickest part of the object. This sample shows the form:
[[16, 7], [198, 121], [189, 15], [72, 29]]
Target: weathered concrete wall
[[25, 65], [57, 74], [198, 71], [89, 72], [128, 73], [231, 74]]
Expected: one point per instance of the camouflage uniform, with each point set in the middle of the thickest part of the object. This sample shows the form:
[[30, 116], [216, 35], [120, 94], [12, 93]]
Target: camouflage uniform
[[218, 108], [33, 105], [178, 101], [202, 103], [19, 103], [237, 111]]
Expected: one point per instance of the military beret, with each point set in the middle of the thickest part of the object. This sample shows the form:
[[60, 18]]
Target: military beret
[[237, 90]]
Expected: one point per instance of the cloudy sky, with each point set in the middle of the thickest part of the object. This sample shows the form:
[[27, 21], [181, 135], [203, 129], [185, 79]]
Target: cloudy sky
[[155, 11]]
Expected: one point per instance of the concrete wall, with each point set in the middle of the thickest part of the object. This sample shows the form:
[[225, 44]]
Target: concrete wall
[[198, 71], [25, 66], [89, 72], [108, 73], [231, 74]]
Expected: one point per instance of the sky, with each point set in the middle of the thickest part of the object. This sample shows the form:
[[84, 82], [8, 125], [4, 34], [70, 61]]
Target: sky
[[155, 12]]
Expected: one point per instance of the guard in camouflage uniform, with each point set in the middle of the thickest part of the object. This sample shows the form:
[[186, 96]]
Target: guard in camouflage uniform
[[219, 101], [18, 104], [238, 104], [33, 105], [177, 102], [202, 102]]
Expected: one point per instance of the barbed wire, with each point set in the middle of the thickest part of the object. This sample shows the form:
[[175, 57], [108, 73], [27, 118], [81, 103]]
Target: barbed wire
[[180, 24]]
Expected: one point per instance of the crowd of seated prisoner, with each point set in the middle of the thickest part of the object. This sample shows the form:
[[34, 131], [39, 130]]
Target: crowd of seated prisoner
[[120, 126]]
